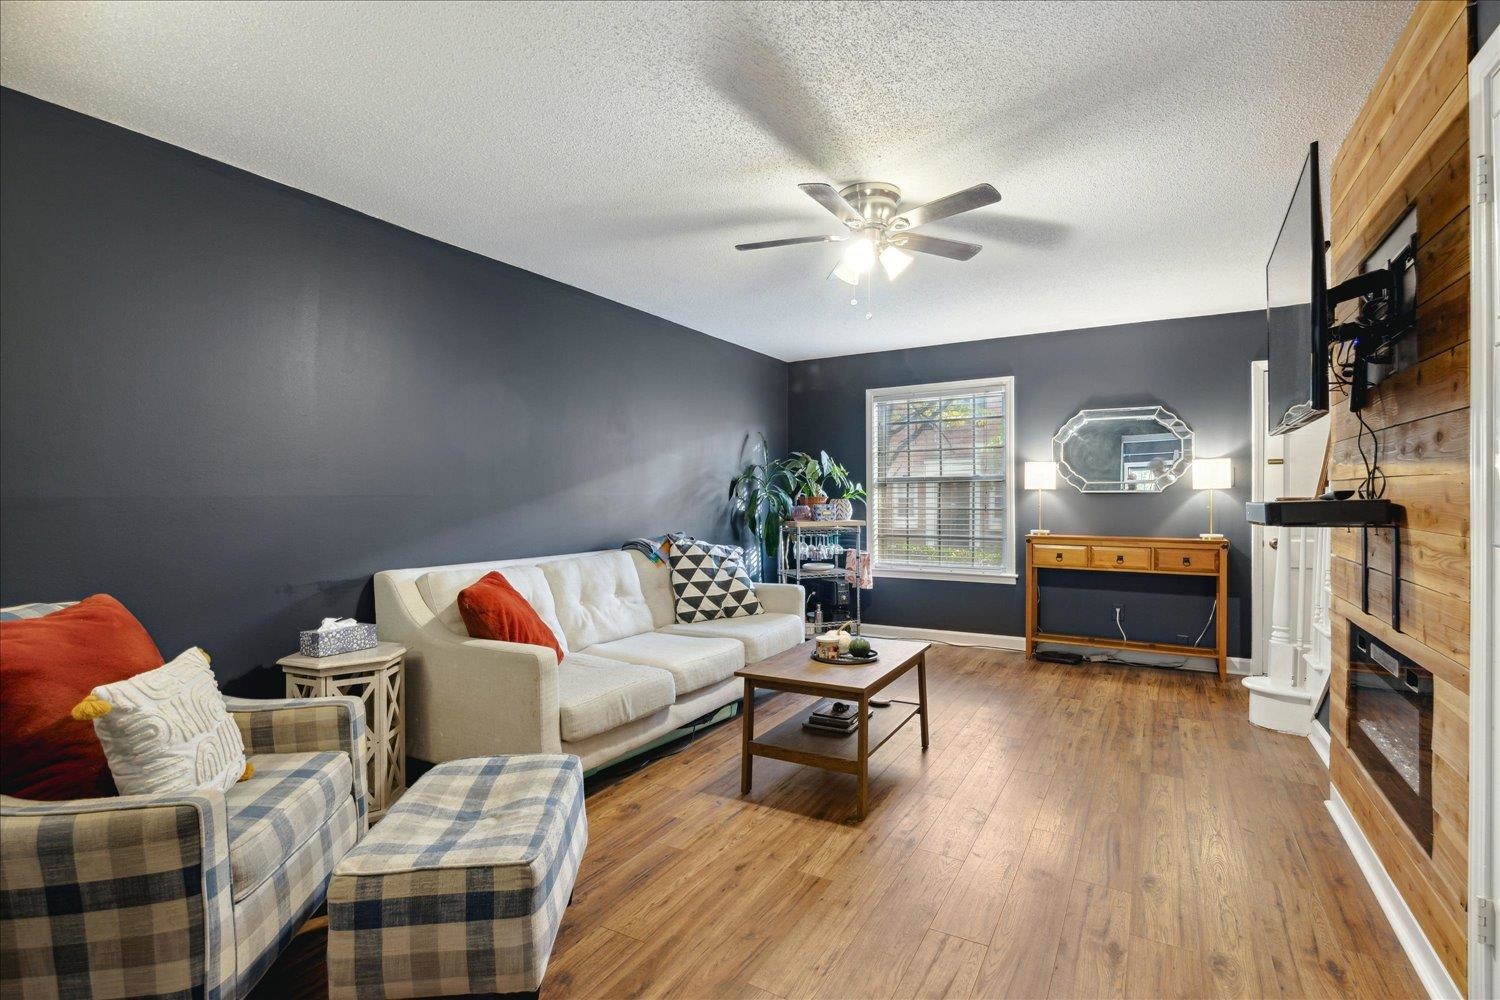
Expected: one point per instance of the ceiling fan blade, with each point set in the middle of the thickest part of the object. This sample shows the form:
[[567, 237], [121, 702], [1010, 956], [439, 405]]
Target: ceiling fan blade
[[789, 243], [825, 195], [952, 249], [966, 200]]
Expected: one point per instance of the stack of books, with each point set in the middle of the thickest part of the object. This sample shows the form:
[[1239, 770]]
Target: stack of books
[[835, 719]]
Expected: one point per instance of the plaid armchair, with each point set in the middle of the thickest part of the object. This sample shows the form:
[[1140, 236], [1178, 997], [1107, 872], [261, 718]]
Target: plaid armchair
[[190, 895]]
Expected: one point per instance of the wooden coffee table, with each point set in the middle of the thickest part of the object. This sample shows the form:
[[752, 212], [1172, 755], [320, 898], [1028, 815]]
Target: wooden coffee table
[[797, 672]]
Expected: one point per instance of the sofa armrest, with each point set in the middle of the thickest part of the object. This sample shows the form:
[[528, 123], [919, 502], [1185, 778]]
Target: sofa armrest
[[94, 891], [782, 598], [479, 697], [309, 725]]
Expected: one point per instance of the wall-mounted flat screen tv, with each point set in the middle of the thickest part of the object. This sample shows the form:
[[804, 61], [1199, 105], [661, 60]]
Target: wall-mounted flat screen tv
[[1297, 316]]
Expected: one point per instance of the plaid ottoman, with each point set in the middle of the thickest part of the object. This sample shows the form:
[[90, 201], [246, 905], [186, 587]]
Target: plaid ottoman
[[461, 886]]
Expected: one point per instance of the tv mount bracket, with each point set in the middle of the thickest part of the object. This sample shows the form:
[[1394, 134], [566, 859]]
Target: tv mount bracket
[[1382, 315], [1386, 312]]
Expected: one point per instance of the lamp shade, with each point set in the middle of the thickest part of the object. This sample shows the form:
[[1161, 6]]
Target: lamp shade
[[1212, 474], [1041, 475]]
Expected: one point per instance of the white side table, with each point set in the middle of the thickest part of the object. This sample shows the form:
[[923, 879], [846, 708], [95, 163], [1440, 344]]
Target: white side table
[[378, 676]]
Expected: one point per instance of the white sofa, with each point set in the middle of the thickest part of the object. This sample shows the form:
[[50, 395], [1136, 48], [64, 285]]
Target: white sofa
[[631, 673]]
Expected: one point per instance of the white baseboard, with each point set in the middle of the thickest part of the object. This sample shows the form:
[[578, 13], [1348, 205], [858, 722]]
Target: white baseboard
[[1016, 643], [1419, 950], [1318, 737], [1010, 642]]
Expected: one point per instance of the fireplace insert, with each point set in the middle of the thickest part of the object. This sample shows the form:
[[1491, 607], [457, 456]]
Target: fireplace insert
[[1390, 728]]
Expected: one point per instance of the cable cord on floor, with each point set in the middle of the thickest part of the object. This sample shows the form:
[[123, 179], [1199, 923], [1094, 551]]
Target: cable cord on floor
[[1211, 612]]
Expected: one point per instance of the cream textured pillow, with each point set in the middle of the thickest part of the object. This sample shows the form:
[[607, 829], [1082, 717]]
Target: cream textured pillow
[[167, 730]]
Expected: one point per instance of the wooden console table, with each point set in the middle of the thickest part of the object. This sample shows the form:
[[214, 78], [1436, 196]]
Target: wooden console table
[[1125, 554]]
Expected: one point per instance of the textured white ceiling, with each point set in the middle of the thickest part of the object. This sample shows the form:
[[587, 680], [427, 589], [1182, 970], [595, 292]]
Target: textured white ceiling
[[1145, 151]]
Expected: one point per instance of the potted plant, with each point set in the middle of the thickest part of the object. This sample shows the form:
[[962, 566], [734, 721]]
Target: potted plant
[[804, 475], [848, 491], [761, 501]]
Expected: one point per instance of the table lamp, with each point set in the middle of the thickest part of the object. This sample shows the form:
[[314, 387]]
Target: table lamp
[[1212, 474], [1040, 476]]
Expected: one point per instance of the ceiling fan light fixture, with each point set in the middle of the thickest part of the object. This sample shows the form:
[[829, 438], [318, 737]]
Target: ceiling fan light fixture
[[860, 255], [880, 227], [893, 262]]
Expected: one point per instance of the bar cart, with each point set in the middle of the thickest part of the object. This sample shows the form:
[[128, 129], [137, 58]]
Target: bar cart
[[812, 553]]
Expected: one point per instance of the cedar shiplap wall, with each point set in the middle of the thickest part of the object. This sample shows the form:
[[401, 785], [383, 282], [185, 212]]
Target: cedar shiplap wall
[[1408, 147]]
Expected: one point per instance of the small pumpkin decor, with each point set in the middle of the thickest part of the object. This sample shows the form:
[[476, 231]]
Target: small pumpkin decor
[[843, 647]]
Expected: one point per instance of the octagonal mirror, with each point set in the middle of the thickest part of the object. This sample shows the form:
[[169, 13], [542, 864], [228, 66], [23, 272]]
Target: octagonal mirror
[[1128, 449]]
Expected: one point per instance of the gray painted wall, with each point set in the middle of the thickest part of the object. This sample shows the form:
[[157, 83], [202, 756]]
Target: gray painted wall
[[1198, 368], [229, 403], [1486, 19]]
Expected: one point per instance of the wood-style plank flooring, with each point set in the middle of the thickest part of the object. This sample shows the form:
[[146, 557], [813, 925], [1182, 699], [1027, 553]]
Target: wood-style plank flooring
[[1081, 831]]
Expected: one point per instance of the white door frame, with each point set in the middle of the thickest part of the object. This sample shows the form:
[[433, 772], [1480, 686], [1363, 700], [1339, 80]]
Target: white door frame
[[1484, 490], [1259, 627]]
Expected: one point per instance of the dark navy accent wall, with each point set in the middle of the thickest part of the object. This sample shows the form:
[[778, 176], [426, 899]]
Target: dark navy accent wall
[[1486, 19], [1198, 368], [229, 402]]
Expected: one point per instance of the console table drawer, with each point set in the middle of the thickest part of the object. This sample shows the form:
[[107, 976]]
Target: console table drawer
[[1188, 560], [1120, 556], [1060, 555]]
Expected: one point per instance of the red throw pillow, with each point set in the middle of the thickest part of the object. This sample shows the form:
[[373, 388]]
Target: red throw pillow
[[47, 665], [493, 609]]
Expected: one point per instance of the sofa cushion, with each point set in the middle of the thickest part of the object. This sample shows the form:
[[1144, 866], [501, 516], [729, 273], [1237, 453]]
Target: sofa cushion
[[693, 661], [47, 664], [595, 695], [598, 598], [289, 798], [656, 586], [441, 587], [493, 609], [763, 635]]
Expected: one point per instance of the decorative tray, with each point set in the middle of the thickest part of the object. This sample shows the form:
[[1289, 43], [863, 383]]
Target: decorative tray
[[847, 659]]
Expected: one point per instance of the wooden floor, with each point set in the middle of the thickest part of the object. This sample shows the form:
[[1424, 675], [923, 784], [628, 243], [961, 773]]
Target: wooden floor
[[1073, 832]]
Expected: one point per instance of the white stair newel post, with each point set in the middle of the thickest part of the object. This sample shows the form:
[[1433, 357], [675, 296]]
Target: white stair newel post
[[1282, 650], [1304, 591], [1321, 655]]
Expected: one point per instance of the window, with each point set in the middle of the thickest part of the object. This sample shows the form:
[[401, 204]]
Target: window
[[941, 494]]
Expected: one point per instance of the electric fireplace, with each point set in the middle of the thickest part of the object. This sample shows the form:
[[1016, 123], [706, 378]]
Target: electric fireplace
[[1390, 728]]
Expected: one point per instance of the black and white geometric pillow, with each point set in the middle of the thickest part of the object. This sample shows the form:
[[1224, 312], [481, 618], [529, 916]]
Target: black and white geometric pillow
[[710, 582]]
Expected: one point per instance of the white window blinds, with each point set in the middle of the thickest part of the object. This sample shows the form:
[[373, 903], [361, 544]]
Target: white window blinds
[[940, 455]]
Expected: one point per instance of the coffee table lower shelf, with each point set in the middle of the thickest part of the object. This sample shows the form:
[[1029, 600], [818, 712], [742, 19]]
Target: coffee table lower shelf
[[790, 742]]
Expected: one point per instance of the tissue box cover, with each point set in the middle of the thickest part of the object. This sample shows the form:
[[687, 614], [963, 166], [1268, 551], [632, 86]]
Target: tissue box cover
[[346, 639]]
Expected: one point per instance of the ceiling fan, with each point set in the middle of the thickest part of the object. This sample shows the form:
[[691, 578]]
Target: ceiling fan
[[880, 230]]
